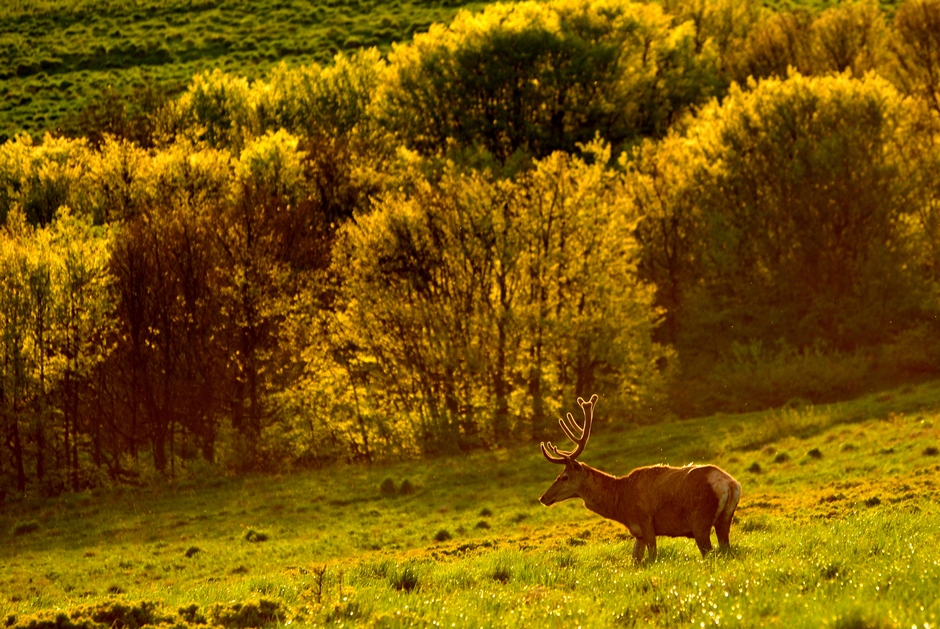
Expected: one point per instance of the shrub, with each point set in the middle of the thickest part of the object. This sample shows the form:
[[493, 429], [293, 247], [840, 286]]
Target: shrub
[[442, 536], [387, 488]]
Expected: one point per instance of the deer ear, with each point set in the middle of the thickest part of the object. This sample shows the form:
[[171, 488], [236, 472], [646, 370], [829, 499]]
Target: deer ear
[[572, 465]]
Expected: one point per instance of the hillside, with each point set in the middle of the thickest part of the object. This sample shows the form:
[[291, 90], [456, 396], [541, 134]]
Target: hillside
[[838, 526], [57, 57]]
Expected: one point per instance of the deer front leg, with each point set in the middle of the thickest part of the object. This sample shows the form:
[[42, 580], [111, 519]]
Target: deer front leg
[[638, 549], [649, 538], [645, 537]]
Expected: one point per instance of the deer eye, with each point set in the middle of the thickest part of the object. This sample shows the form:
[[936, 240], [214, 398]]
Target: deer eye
[[564, 477]]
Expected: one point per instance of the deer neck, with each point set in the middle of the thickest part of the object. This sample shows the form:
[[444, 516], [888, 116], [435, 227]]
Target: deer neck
[[601, 493]]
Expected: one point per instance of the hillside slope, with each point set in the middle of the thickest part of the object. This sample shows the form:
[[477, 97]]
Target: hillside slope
[[55, 57]]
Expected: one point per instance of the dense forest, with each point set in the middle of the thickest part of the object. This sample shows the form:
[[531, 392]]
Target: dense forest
[[684, 207]]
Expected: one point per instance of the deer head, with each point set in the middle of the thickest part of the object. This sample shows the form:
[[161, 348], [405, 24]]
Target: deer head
[[569, 481]]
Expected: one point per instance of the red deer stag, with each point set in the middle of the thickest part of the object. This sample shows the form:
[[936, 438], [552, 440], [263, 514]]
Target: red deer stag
[[656, 500]]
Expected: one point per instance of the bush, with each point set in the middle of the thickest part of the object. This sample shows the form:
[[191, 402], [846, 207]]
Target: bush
[[387, 488]]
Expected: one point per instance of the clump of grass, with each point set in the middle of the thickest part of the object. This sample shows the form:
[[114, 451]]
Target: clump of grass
[[246, 615], [485, 513], [351, 612], [857, 619], [754, 468], [404, 578], [115, 589], [502, 573], [254, 536], [830, 571], [565, 559], [931, 451], [192, 550], [442, 536], [754, 525], [874, 501], [815, 453], [406, 488], [191, 615], [101, 615], [579, 539], [482, 524], [25, 527], [782, 457]]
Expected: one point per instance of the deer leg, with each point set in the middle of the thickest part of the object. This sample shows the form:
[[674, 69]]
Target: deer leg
[[649, 538], [638, 549], [725, 516], [723, 531], [703, 540]]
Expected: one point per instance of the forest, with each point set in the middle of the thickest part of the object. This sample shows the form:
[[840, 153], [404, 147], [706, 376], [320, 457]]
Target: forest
[[686, 207]]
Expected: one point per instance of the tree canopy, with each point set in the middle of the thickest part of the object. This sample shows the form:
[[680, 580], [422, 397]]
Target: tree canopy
[[687, 206]]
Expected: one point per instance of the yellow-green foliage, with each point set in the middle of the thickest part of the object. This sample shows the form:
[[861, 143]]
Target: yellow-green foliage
[[791, 200], [328, 260], [463, 289], [540, 77]]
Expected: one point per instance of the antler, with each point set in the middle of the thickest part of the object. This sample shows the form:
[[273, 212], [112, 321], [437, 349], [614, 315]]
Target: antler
[[576, 433]]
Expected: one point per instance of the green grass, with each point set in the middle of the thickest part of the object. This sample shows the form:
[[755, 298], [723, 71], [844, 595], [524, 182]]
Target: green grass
[[56, 56], [838, 526]]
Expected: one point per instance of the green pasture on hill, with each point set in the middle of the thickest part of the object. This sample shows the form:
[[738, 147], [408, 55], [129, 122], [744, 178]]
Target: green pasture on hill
[[838, 526], [58, 55]]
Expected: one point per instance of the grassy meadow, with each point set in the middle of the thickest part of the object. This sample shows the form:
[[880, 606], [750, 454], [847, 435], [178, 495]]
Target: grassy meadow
[[58, 55], [839, 525]]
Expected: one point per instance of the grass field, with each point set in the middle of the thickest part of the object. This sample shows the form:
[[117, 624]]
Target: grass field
[[57, 55], [839, 525]]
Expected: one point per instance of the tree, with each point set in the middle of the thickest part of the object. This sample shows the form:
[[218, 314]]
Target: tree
[[476, 306], [915, 45], [534, 78], [797, 205]]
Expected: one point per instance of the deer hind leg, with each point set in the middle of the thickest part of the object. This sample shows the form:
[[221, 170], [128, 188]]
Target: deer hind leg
[[726, 515]]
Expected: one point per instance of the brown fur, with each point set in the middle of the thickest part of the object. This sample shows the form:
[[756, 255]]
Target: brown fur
[[656, 500]]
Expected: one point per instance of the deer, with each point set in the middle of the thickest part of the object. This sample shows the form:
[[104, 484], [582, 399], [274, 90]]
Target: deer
[[657, 500]]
